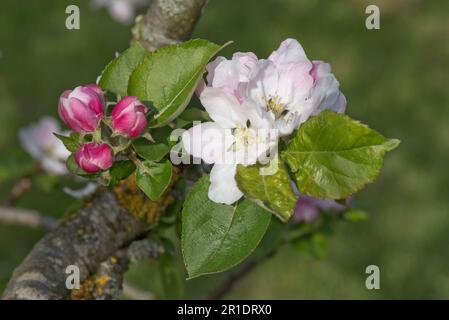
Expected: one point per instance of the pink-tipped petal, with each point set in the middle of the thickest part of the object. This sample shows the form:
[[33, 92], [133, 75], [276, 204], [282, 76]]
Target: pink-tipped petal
[[81, 108], [83, 116], [128, 117], [93, 157]]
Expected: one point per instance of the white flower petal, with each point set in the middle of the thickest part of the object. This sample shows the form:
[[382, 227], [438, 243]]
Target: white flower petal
[[223, 108], [85, 191], [290, 51], [258, 117], [223, 187], [326, 91], [263, 83], [289, 122], [53, 166], [38, 140], [208, 141], [295, 83], [246, 61]]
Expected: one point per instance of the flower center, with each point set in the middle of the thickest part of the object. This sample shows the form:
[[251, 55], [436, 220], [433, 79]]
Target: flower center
[[275, 105], [243, 138]]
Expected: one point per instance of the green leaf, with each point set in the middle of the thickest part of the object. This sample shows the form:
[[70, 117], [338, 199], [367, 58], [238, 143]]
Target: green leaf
[[216, 237], [314, 245], [194, 114], [121, 170], [172, 277], [332, 156], [268, 186], [71, 143], [153, 178], [116, 75], [189, 115], [169, 76], [155, 151], [355, 215], [272, 239]]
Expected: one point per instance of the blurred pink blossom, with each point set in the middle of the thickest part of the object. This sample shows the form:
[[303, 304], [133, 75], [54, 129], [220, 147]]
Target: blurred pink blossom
[[122, 11], [38, 140]]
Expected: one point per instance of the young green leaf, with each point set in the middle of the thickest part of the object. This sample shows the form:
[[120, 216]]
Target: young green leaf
[[314, 245], [116, 75], [194, 114], [169, 76], [269, 186], [155, 151], [216, 237], [70, 143], [355, 215], [121, 170], [153, 178], [332, 156]]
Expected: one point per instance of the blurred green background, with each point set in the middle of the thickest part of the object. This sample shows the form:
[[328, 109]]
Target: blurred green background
[[395, 79]]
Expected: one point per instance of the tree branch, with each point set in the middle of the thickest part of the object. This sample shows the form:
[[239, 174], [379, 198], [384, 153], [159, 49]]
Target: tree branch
[[26, 217], [18, 190], [107, 282], [85, 240], [135, 293], [167, 22]]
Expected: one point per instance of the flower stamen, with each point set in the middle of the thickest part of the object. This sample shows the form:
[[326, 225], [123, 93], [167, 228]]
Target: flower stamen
[[275, 105]]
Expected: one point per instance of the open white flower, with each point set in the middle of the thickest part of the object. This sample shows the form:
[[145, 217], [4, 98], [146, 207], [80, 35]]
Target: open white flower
[[38, 140], [252, 102], [232, 138], [226, 142], [288, 88]]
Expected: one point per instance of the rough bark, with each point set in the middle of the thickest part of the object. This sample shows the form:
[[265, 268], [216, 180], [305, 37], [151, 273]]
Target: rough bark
[[86, 240], [167, 22], [107, 283]]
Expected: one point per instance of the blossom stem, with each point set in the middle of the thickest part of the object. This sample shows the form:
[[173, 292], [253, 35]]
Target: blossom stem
[[136, 160], [97, 135]]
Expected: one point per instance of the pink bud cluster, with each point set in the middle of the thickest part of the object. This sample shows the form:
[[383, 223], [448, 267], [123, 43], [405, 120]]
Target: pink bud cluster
[[83, 108]]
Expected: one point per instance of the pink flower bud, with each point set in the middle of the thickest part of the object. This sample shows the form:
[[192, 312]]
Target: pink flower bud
[[128, 117], [82, 108], [93, 157]]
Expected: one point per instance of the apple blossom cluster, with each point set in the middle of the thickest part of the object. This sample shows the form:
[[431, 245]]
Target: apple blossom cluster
[[84, 108], [254, 102]]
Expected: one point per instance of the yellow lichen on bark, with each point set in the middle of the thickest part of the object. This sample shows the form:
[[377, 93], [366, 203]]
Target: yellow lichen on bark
[[132, 199]]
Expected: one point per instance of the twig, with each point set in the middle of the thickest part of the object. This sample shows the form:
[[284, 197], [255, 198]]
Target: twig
[[131, 291], [26, 217], [18, 190]]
